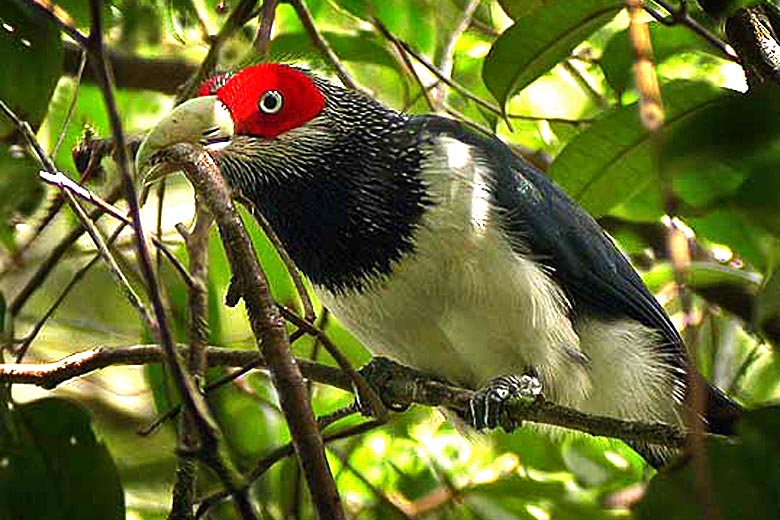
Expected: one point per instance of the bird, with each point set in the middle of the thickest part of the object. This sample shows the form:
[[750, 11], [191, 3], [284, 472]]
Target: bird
[[442, 249]]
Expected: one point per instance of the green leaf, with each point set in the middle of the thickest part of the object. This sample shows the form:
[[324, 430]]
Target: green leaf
[[730, 129], [735, 139], [613, 159], [536, 43], [617, 59], [409, 20], [362, 47], [704, 275], [728, 227], [53, 467], [31, 54], [20, 189], [519, 8], [745, 477]]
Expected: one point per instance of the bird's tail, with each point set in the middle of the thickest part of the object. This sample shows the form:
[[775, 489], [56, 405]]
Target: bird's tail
[[720, 412]]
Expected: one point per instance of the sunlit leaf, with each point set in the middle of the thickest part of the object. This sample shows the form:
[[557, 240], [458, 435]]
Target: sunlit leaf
[[613, 159], [536, 43], [617, 59]]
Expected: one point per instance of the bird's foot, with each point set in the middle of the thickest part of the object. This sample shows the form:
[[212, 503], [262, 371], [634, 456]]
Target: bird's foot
[[487, 406], [379, 373]]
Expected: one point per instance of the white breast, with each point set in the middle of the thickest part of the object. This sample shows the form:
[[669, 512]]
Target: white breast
[[467, 307], [464, 306]]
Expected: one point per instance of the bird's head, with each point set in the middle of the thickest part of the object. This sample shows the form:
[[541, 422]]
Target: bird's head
[[335, 172], [257, 106]]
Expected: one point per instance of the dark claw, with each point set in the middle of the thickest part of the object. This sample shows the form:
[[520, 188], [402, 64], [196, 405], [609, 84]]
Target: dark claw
[[487, 406], [379, 373]]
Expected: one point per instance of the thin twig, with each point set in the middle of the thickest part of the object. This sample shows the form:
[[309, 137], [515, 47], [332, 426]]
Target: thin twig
[[401, 385], [235, 20], [77, 277], [585, 85], [428, 65], [58, 16], [89, 225], [262, 43], [189, 394], [448, 53], [322, 45], [65, 183], [382, 497], [653, 116], [308, 307], [681, 16], [51, 374], [362, 389], [217, 383], [46, 266], [196, 243], [280, 453], [72, 106]]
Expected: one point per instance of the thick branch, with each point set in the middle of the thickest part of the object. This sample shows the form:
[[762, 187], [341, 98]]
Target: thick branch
[[164, 75]]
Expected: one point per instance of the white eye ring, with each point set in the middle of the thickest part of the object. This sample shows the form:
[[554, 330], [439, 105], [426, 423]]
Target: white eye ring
[[271, 102]]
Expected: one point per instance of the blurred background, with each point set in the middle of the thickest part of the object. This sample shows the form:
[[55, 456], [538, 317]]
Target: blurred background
[[551, 77]]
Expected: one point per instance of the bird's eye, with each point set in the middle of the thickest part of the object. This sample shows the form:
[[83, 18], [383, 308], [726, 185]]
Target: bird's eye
[[271, 102]]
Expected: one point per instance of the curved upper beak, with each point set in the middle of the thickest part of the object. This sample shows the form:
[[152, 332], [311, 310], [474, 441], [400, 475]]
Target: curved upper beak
[[203, 120]]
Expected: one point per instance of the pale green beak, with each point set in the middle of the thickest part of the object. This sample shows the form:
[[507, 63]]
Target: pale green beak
[[203, 120]]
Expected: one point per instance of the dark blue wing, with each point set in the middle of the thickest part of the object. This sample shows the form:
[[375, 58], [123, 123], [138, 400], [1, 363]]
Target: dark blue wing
[[549, 227]]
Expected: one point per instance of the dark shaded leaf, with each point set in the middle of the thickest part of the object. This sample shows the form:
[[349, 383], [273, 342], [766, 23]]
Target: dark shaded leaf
[[735, 138], [53, 467], [31, 54], [745, 477], [20, 190], [519, 8]]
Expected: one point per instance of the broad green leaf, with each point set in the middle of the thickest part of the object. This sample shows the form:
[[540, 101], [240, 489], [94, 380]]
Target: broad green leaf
[[729, 227], [536, 43], [758, 198], [745, 477], [53, 467], [31, 54], [613, 159], [617, 59], [516, 9], [732, 148], [732, 128]]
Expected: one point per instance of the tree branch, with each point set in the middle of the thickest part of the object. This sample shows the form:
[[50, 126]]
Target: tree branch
[[266, 322], [394, 383], [165, 75]]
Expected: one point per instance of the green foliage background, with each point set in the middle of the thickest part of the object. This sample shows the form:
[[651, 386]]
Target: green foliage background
[[556, 83]]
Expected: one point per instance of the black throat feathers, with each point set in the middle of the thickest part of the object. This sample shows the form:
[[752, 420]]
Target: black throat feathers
[[346, 206]]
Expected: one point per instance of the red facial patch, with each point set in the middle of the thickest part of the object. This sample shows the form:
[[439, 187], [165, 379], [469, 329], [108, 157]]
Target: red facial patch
[[269, 99]]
